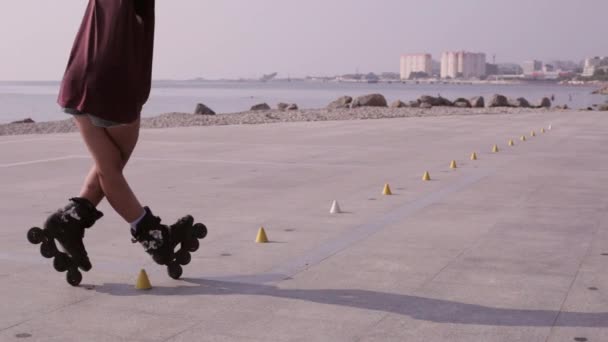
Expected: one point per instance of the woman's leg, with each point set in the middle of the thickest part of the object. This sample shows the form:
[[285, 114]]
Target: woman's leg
[[109, 163], [125, 138]]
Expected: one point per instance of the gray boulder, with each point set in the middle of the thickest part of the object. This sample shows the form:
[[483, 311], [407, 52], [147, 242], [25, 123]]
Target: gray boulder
[[261, 106], [398, 104], [498, 101], [282, 106], [415, 104], [24, 121], [545, 103], [342, 102], [435, 101], [478, 102], [603, 108], [371, 100], [462, 103], [202, 109], [292, 106], [519, 102], [426, 105]]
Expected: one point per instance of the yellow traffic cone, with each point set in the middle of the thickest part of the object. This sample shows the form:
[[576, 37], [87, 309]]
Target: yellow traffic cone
[[426, 177], [511, 142], [453, 165], [143, 283], [474, 156], [261, 238], [495, 149], [387, 190], [523, 138]]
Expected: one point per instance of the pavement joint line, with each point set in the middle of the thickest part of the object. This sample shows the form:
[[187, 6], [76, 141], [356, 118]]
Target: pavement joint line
[[578, 272], [244, 162], [40, 161], [361, 232]]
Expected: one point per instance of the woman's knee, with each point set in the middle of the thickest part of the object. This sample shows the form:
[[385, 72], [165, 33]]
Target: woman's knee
[[110, 170]]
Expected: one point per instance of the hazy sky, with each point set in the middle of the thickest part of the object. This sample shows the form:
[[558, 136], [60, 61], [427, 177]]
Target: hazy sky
[[245, 38]]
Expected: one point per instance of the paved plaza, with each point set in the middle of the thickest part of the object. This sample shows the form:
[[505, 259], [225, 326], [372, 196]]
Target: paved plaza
[[511, 247]]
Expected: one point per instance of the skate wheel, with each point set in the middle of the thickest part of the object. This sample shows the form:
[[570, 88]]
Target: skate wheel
[[48, 249], [174, 270], [193, 245], [159, 259], [183, 257], [35, 235], [200, 231], [61, 262], [74, 277]]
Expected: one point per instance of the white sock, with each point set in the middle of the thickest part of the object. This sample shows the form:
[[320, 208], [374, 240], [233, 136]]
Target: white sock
[[134, 223]]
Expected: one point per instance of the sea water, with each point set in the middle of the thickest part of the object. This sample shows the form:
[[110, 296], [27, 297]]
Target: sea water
[[37, 100]]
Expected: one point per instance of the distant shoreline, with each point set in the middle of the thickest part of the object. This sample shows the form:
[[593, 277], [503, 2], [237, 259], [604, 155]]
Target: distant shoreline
[[169, 120]]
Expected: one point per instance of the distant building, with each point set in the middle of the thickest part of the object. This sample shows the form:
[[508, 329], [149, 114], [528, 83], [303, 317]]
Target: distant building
[[510, 69], [416, 64], [593, 64], [491, 69], [463, 64], [532, 67]]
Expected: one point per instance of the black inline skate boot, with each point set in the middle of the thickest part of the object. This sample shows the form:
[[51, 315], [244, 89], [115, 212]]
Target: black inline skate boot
[[67, 226], [160, 241]]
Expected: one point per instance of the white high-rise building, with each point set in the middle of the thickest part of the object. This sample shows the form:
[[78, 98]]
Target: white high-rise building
[[591, 65], [416, 63], [462, 64]]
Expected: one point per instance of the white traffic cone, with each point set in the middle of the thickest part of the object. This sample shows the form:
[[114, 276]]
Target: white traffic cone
[[335, 208]]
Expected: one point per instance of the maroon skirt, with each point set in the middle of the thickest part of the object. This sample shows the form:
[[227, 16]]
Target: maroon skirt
[[109, 73]]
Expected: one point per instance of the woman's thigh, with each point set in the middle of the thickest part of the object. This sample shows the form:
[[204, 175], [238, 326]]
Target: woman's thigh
[[125, 138], [108, 157]]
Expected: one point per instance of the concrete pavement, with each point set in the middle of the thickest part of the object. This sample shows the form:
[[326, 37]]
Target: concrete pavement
[[512, 247]]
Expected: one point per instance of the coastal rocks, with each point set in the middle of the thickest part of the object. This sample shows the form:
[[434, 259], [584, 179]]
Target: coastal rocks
[[202, 109], [435, 101], [602, 91], [425, 105], [498, 101], [282, 106], [261, 106], [292, 106], [462, 103], [398, 104], [414, 104], [24, 121], [564, 107], [343, 102], [603, 108], [478, 102], [519, 102], [371, 100], [545, 103]]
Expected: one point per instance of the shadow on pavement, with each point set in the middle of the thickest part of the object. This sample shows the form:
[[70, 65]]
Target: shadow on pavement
[[428, 309]]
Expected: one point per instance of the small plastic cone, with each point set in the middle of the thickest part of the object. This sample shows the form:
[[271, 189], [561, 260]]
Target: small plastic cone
[[426, 177], [495, 149], [261, 238], [335, 208], [387, 190], [523, 138], [511, 142], [542, 130], [533, 134], [143, 283], [453, 165], [474, 156]]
